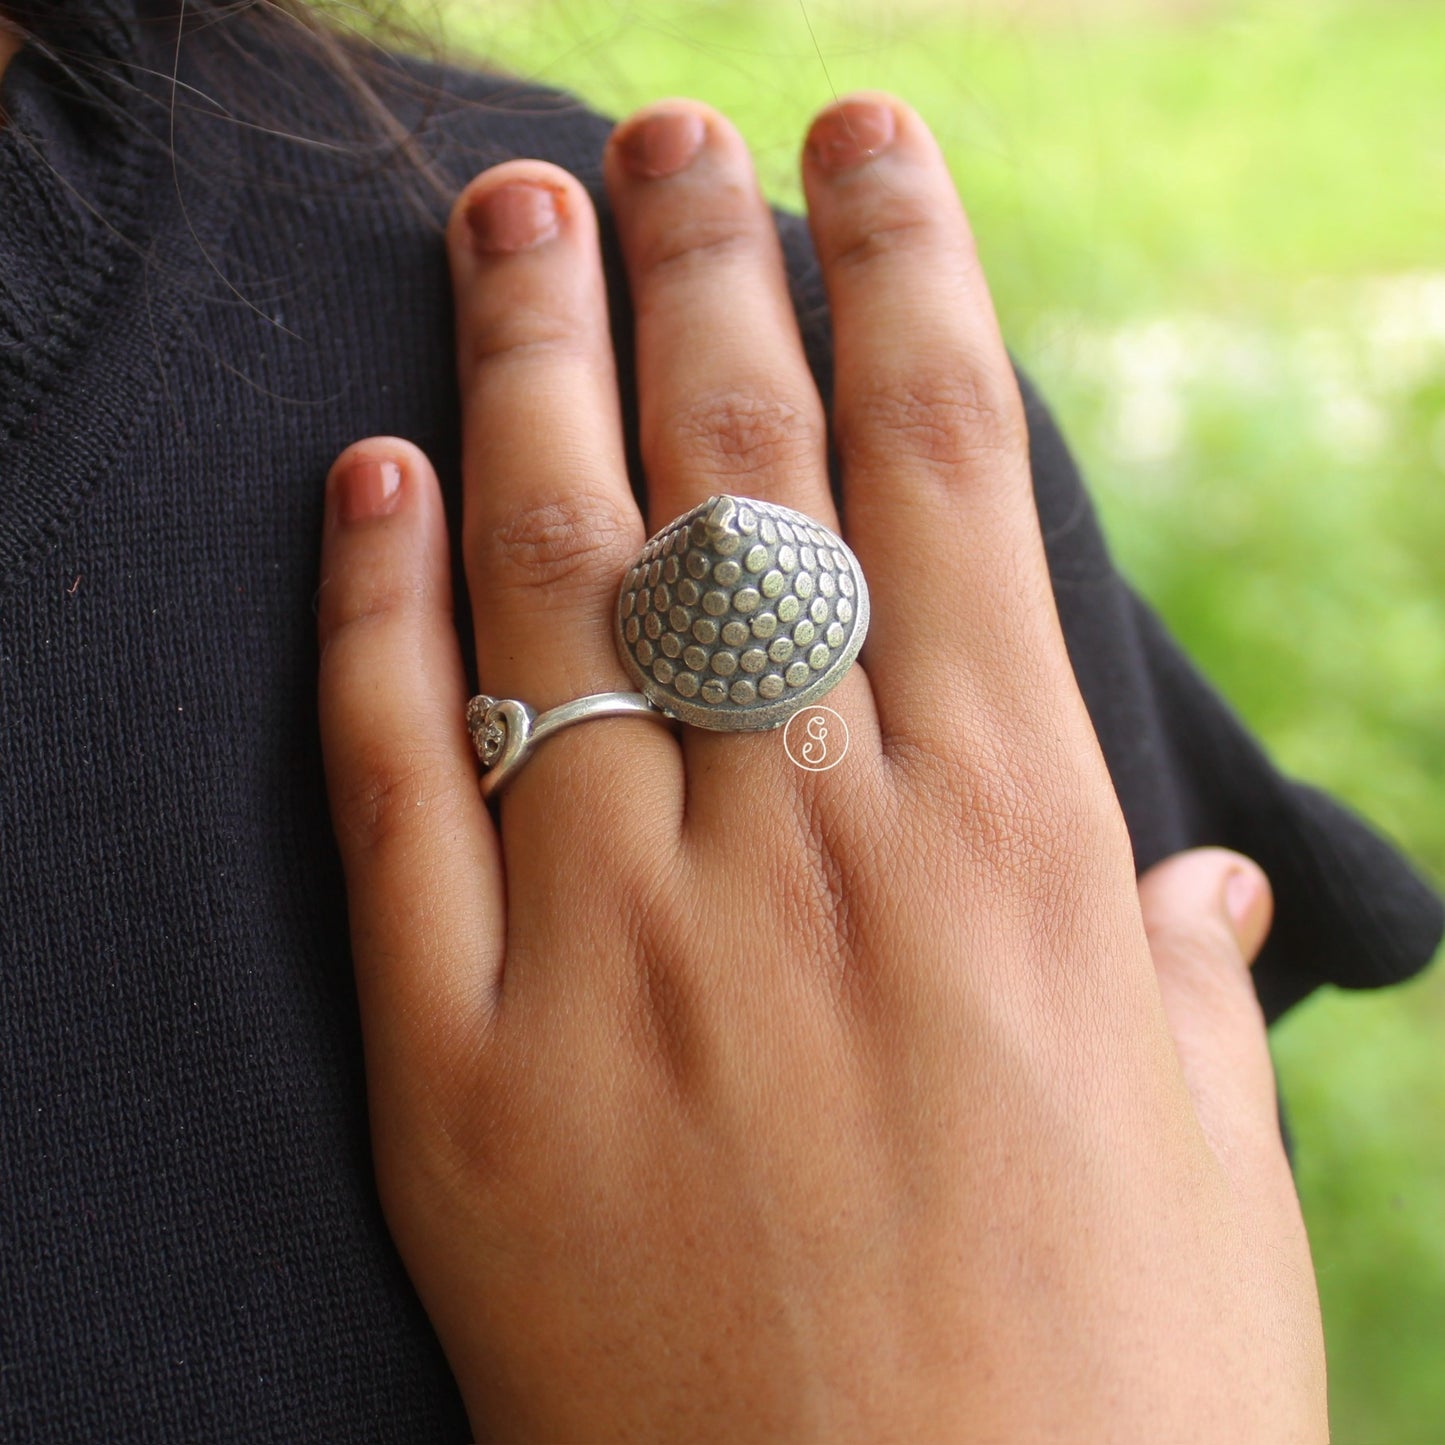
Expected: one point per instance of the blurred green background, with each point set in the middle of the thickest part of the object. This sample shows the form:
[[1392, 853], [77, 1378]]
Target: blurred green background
[[1216, 236]]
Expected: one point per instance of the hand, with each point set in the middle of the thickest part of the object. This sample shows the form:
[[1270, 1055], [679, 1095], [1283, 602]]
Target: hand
[[717, 1099]]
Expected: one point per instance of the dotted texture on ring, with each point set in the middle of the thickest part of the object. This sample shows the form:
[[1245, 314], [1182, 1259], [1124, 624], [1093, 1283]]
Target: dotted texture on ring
[[738, 603]]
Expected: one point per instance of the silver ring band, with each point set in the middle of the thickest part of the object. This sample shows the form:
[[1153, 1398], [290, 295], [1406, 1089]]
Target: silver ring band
[[732, 618], [504, 731]]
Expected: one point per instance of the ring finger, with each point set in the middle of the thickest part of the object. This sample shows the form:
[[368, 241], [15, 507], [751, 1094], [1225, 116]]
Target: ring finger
[[549, 520]]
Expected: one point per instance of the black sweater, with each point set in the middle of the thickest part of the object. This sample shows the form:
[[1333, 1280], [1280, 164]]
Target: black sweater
[[190, 1245]]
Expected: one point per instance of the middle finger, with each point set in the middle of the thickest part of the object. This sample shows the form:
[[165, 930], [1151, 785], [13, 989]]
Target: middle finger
[[726, 400]]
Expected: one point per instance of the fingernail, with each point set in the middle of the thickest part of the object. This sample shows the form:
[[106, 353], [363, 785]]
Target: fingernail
[[851, 133], [513, 217], [367, 488], [1242, 890], [662, 144]]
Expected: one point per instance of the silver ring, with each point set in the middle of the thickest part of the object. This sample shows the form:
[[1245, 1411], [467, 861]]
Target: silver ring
[[505, 731], [733, 617], [739, 613]]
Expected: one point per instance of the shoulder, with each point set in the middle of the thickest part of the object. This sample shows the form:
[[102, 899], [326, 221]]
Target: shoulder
[[470, 116], [426, 125], [326, 106]]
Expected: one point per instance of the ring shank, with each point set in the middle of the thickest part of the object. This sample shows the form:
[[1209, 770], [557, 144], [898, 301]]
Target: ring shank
[[582, 709]]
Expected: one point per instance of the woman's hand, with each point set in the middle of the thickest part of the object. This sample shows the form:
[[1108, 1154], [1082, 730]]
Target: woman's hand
[[714, 1098]]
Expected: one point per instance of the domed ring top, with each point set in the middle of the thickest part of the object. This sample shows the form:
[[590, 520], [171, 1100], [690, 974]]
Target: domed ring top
[[739, 613]]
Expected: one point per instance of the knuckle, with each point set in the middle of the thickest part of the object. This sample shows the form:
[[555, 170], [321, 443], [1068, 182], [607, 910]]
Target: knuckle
[[578, 540], [688, 242], [520, 332], [353, 608], [391, 795], [1029, 825], [1009, 823], [949, 417], [740, 434], [877, 238]]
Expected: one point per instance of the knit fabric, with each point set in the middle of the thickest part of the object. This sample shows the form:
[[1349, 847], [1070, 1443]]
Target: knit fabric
[[190, 1243]]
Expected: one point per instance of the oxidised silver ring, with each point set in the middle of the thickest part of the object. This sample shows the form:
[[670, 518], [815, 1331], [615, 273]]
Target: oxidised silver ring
[[733, 617], [739, 613]]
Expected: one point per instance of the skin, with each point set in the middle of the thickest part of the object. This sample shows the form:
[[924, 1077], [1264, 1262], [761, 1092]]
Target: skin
[[953, 1129]]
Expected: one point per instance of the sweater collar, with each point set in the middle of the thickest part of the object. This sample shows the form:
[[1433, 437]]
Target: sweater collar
[[109, 222], [72, 152]]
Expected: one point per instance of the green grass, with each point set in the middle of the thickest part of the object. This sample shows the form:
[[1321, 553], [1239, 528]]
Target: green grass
[[1217, 242]]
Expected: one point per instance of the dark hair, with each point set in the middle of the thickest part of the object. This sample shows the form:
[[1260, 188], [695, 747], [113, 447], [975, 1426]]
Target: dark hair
[[352, 44]]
